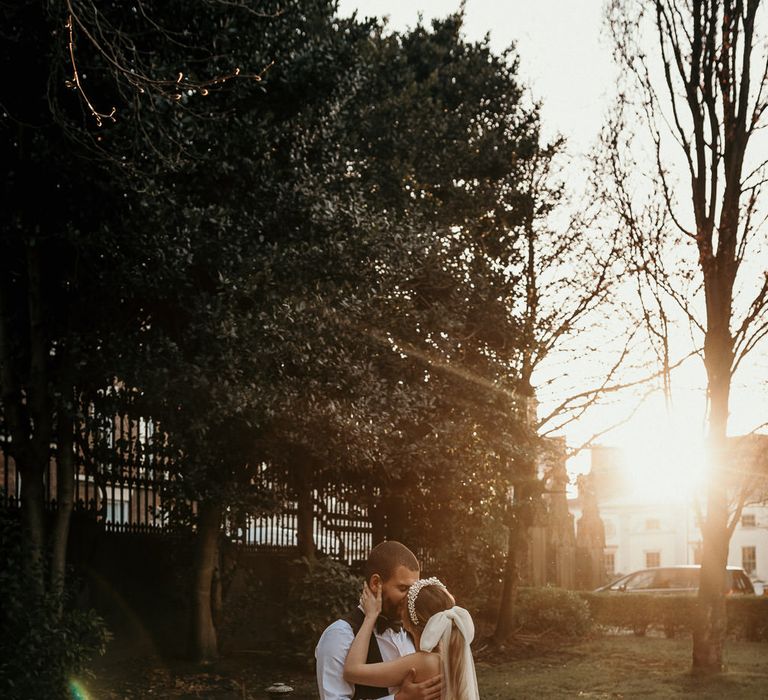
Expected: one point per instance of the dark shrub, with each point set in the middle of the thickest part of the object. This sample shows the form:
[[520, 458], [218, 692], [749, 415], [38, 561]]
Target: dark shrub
[[552, 610], [748, 618], [325, 592], [471, 564], [41, 650]]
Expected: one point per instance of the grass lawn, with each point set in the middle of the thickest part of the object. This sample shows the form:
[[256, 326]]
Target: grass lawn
[[625, 667], [609, 667]]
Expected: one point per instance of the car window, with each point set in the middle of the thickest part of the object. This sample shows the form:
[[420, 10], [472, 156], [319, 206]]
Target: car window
[[663, 578], [683, 578], [642, 580], [740, 583], [618, 584]]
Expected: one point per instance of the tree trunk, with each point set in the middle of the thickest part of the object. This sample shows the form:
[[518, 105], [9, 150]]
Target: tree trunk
[[711, 622], [520, 514], [26, 411], [33, 521], [38, 426], [710, 629], [204, 640], [65, 494], [519, 522], [505, 618], [395, 510], [305, 539]]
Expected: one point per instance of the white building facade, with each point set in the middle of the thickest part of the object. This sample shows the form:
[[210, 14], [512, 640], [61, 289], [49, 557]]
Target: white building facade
[[640, 534]]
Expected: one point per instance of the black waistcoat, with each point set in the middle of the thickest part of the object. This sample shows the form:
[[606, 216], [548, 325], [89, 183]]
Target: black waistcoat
[[366, 692]]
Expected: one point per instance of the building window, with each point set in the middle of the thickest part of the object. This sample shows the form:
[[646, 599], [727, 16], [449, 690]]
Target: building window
[[117, 511], [652, 559], [652, 524], [696, 552], [748, 520], [748, 559], [146, 433], [610, 562]]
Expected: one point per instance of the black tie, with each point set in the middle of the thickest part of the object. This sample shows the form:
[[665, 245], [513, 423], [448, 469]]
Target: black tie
[[383, 623]]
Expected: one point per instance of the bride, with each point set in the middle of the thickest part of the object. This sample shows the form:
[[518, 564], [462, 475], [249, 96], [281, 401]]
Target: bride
[[442, 632]]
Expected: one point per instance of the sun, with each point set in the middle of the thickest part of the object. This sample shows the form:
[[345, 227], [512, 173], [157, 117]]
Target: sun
[[664, 455]]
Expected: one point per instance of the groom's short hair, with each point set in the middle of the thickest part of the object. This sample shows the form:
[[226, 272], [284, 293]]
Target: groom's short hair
[[386, 557]]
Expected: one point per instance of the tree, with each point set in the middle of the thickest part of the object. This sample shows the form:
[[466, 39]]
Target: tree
[[55, 286], [493, 294], [565, 274], [233, 350], [430, 139], [78, 275], [456, 191], [706, 81]]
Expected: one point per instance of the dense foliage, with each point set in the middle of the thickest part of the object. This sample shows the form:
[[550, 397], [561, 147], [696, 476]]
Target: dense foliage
[[41, 649], [326, 591], [308, 271]]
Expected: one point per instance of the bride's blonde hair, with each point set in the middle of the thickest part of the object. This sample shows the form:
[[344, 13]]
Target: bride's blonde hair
[[432, 599]]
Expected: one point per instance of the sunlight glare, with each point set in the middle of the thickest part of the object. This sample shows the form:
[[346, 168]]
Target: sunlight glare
[[664, 455]]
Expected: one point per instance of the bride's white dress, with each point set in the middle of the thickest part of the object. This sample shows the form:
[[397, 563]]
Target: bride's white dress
[[438, 629]]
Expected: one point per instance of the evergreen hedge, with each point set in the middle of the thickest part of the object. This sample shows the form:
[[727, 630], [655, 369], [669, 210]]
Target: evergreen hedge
[[675, 614]]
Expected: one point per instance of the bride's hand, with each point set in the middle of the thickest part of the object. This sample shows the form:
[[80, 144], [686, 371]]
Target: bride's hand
[[370, 601]]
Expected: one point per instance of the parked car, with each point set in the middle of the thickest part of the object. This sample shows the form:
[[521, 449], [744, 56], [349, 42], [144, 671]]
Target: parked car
[[676, 579]]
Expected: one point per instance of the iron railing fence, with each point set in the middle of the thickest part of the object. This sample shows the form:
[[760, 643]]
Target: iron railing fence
[[122, 480]]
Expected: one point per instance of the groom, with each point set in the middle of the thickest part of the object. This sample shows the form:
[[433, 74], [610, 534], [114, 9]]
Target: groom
[[391, 567]]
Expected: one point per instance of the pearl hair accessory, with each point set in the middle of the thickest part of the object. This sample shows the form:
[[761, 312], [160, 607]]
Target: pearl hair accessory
[[413, 591]]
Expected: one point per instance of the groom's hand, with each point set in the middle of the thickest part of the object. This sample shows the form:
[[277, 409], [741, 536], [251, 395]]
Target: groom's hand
[[426, 690]]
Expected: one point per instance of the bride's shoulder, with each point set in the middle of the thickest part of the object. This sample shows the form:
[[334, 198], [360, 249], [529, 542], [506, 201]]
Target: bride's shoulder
[[428, 663]]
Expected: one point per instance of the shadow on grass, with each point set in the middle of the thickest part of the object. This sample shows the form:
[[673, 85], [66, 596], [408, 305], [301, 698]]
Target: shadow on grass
[[607, 667]]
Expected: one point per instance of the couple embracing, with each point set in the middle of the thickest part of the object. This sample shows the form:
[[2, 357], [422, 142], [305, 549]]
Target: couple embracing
[[407, 639]]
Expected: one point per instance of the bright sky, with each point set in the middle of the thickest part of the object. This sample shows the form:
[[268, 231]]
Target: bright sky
[[565, 60], [562, 56]]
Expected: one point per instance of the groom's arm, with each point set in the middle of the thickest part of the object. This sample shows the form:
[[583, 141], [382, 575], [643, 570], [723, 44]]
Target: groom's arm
[[331, 652], [429, 689]]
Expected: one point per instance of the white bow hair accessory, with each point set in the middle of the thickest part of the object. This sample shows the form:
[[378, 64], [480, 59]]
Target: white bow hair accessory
[[439, 626], [438, 629]]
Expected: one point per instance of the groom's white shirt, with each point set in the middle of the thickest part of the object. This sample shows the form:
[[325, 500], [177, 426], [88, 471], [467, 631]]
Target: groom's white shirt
[[331, 652]]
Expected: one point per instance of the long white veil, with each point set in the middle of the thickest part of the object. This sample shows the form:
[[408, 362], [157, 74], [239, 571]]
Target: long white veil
[[438, 630]]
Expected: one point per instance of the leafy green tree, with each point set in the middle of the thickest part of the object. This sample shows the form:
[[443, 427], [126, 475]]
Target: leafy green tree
[[400, 217], [495, 291], [256, 218], [437, 157], [80, 278]]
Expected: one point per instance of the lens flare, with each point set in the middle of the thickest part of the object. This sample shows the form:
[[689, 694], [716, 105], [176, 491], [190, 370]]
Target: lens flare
[[77, 690]]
